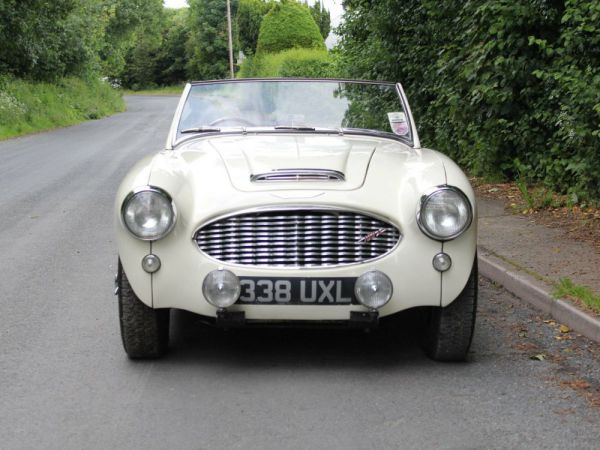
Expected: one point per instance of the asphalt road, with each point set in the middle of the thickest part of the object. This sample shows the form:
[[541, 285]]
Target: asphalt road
[[65, 381]]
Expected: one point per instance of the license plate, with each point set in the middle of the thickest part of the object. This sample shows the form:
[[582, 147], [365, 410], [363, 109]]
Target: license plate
[[297, 291]]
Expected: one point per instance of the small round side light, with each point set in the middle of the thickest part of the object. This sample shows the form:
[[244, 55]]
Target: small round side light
[[150, 263], [442, 262]]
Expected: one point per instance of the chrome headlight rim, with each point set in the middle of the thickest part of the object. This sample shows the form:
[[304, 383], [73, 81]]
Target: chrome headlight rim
[[157, 190], [428, 195]]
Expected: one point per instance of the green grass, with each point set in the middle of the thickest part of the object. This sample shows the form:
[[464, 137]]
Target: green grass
[[566, 288], [29, 107], [166, 90]]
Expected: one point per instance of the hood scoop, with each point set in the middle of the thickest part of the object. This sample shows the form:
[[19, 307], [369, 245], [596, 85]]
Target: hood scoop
[[287, 175]]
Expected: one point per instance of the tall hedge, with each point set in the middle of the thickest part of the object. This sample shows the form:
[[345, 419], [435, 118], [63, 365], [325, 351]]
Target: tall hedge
[[507, 87], [288, 25]]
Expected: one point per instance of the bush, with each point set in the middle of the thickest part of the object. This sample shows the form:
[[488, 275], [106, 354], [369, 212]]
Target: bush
[[288, 25], [27, 106], [297, 62]]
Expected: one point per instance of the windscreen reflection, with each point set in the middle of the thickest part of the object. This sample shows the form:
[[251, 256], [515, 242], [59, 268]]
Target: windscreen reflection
[[303, 104]]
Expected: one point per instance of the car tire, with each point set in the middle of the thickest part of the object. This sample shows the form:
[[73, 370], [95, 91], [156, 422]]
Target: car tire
[[449, 330], [144, 330]]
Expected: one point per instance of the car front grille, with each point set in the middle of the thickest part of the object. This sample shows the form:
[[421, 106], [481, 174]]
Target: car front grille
[[297, 238]]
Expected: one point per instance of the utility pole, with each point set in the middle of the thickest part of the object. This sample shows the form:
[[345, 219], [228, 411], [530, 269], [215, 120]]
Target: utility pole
[[230, 40]]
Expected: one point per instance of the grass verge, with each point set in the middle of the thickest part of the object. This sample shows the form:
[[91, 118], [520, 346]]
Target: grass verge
[[566, 288], [29, 107], [166, 90]]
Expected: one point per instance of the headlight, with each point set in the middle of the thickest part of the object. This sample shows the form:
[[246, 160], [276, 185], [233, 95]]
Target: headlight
[[148, 213], [444, 214]]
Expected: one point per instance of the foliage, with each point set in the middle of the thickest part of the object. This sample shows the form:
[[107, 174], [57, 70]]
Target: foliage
[[249, 17], [207, 47], [321, 17], [296, 62], [288, 25], [566, 288], [129, 24], [174, 90], [492, 82], [27, 106], [159, 57], [46, 39]]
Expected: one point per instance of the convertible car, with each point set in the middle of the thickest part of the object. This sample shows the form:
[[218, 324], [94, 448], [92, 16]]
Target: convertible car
[[296, 202]]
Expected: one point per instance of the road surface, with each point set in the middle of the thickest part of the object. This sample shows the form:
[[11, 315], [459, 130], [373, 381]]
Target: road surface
[[65, 381]]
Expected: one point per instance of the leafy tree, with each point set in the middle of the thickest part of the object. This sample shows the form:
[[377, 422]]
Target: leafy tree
[[207, 47], [288, 25], [249, 17], [172, 57], [46, 39], [127, 22], [321, 17]]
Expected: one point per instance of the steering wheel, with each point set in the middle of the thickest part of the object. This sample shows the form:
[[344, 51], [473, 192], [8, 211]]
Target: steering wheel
[[239, 120]]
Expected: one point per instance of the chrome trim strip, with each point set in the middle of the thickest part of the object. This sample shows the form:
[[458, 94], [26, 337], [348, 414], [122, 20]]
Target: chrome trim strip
[[416, 143], [346, 132], [297, 207], [298, 175], [323, 80]]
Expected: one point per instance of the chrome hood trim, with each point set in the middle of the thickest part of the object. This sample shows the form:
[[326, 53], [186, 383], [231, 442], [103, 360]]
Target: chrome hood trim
[[298, 175]]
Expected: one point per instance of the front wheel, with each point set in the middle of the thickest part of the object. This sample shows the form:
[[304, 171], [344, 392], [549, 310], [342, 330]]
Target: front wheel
[[144, 330], [449, 330]]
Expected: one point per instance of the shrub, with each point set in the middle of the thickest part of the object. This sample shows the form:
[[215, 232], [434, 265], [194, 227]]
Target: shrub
[[288, 25]]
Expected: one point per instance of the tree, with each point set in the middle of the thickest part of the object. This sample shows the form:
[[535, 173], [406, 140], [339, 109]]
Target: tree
[[47, 39], [321, 17], [288, 25], [249, 18], [207, 46], [128, 22]]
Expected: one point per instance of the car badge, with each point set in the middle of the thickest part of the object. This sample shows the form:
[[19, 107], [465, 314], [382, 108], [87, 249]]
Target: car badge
[[372, 235]]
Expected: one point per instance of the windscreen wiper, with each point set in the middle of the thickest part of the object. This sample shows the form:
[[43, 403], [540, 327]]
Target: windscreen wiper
[[201, 130], [294, 127]]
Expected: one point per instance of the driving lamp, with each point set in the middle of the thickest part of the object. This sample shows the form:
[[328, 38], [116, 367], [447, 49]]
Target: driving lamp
[[221, 288], [445, 213], [373, 289], [148, 213]]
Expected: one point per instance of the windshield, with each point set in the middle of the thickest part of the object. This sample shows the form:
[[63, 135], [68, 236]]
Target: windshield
[[293, 104]]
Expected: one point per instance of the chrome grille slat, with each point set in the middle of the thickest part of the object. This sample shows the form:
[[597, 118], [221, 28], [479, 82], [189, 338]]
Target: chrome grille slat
[[297, 238]]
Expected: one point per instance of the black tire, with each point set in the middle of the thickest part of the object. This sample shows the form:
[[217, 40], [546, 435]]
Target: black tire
[[449, 330], [144, 330]]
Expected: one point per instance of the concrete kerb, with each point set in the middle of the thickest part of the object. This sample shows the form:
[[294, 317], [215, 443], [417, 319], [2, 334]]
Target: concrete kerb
[[537, 294]]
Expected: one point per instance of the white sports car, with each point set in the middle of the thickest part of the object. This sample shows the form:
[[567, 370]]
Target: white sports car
[[296, 201]]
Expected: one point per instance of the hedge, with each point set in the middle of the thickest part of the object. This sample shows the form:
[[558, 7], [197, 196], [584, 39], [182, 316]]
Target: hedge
[[509, 88], [288, 25], [297, 62]]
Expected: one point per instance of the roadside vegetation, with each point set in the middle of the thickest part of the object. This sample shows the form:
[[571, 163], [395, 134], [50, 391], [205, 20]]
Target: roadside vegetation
[[567, 289], [507, 88], [27, 106], [164, 90], [289, 44], [65, 61]]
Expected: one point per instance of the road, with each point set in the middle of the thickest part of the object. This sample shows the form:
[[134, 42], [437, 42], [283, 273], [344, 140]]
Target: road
[[65, 381]]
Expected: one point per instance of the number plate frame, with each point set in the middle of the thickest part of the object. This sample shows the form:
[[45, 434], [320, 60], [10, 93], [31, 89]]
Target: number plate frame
[[297, 291]]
